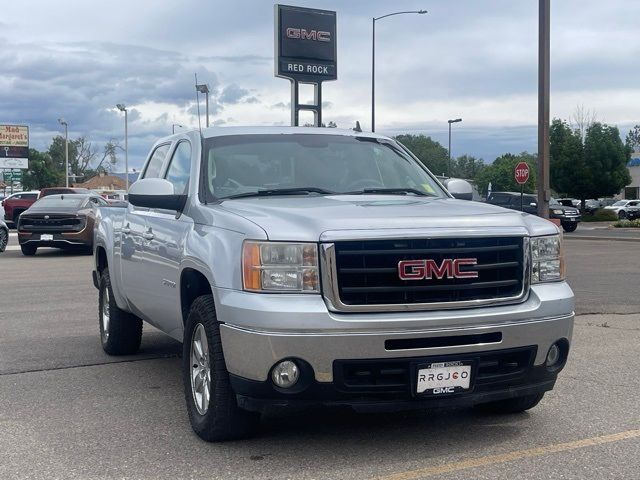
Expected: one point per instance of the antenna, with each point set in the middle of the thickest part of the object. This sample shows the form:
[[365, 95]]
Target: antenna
[[198, 104]]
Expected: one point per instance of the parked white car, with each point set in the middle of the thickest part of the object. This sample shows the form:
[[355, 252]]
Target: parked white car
[[621, 207]]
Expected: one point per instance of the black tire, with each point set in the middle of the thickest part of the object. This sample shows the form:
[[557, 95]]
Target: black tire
[[511, 405], [122, 332], [570, 227], [4, 239], [622, 214], [28, 250], [222, 419]]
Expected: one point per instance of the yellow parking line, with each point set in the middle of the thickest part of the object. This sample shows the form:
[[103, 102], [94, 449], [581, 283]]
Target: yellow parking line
[[511, 456]]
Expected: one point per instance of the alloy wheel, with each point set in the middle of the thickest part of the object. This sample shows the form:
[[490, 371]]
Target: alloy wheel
[[200, 369]]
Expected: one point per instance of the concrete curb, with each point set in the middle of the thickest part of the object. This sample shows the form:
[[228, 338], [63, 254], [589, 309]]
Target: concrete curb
[[612, 239]]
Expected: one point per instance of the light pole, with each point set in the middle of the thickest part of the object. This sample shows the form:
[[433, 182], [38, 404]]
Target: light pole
[[123, 108], [62, 121], [173, 127], [449, 165], [204, 88], [544, 68], [373, 60]]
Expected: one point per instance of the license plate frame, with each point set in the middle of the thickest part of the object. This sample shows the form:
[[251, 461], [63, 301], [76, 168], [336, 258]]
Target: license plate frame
[[46, 237], [443, 366]]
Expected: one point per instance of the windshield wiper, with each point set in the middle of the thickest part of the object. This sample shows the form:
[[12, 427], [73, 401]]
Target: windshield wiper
[[391, 191], [280, 191]]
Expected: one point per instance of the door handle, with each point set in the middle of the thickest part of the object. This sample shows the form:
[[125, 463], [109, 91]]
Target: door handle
[[126, 230], [148, 235]]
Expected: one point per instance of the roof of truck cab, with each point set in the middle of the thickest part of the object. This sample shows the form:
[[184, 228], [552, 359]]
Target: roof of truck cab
[[224, 131]]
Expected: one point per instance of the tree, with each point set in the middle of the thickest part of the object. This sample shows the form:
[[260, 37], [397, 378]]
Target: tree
[[567, 167], [43, 172], [595, 167], [633, 139], [467, 167], [434, 156], [501, 174]]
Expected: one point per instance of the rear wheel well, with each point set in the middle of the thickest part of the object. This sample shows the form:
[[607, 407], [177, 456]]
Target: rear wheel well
[[193, 284], [101, 260]]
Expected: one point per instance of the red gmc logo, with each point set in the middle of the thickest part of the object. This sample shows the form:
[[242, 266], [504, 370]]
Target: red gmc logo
[[429, 269]]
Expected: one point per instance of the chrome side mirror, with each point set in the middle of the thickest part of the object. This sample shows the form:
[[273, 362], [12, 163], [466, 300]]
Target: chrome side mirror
[[460, 189]]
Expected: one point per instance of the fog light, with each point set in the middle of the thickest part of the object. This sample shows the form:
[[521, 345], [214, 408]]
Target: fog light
[[553, 356], [285, 374]]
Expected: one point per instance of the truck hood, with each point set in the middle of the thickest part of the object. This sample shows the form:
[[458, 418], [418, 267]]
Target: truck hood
[[334, 217]]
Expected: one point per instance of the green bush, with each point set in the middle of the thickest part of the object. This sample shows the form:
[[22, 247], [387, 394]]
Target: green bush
[[627, 223], [601, 215]]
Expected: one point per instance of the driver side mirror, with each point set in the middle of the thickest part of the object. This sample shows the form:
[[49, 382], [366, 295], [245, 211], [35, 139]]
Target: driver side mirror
[[460, 189], [156, 193]]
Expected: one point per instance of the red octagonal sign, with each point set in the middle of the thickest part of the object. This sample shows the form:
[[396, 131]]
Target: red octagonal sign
[[522, 173]]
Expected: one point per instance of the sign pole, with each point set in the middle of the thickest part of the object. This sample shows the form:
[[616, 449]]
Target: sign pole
[[522, 197]]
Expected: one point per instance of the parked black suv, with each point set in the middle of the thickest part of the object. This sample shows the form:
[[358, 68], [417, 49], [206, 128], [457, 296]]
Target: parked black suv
[[569, 216]]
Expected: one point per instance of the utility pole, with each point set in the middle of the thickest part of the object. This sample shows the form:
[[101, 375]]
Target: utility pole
[[123, 108], [204, 88], [544, 64], [62, 121], [449, 164]]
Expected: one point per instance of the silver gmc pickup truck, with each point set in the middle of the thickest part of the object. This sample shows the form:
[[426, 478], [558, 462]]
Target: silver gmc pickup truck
[[304, 266]]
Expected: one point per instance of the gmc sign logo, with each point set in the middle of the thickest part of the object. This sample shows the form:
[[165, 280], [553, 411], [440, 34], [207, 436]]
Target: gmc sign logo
[[303, 34], [429, 269]]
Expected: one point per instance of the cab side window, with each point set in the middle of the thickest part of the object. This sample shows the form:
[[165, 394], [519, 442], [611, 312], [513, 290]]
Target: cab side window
[[180, 168], [155, 163]]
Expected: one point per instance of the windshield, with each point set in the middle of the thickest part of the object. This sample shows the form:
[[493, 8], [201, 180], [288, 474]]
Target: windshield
[[241, 164], [621, 203], [553, 201], [55, 201]]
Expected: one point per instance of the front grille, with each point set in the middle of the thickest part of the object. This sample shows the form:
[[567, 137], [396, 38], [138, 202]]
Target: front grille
[[367, 271], [51, 224], [394, 376]]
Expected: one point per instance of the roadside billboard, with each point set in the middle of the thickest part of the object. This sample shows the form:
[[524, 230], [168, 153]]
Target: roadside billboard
[[14, 146], [305, 43]]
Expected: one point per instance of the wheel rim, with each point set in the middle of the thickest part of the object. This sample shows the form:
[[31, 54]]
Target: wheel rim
[[105, 317], [200, 369], [4, 238]]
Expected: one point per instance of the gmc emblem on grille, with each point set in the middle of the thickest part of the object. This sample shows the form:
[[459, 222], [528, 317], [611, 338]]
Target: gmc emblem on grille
[[430, 269]]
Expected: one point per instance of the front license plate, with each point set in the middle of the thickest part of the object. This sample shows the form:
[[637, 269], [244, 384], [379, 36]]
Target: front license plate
[[46, 237], [443, 378]]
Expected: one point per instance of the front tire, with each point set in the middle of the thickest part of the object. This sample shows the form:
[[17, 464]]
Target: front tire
[[511, 405], [28, 250], [120, 331], [569, 227], [211, 403], [622, 214], [4, 239]]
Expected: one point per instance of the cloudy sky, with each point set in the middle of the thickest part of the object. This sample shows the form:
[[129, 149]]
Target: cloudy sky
[[475, 59]]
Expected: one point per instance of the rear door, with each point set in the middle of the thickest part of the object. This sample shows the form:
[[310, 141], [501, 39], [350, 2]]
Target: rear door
[[164, 250], [133, 237]]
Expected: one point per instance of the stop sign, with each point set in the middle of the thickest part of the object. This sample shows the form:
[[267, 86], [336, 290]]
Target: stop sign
[[522, 173]]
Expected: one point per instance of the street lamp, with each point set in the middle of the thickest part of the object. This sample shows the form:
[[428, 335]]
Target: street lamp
[[173, 127], [373, 60], [123, 108], [449, 165], [62, 121], [204, 88]]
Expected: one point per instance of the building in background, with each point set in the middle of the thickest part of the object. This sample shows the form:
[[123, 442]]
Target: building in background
[[632, 191]]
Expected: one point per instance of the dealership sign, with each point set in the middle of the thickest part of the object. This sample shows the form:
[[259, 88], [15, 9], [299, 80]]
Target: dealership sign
[[14, 146], [305, 44]]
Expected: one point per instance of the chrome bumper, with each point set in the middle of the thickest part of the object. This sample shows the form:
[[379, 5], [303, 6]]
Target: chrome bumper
[[259, 330]]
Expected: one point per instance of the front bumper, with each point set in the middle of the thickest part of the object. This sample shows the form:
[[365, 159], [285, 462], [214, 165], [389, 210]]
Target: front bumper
[[259, 330]]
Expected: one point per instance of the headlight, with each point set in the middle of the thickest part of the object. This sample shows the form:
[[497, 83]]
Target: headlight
[[280, 267], [547, 259]]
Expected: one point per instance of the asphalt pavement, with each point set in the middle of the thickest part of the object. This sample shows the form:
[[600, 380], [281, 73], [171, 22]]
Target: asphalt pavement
[[67, 410]]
